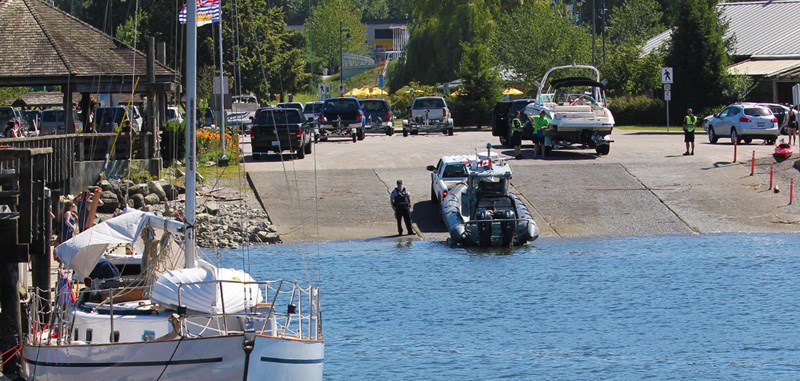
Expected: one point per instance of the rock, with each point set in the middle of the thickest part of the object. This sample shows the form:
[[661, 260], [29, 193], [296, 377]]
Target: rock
[[211, 208], [152, 199], [138, 189], [137, 200], [156, 189], [110, 202], [105, 185], [202, 217]]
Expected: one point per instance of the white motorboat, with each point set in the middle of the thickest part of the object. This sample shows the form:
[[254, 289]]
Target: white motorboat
[[576, 106], [182, 318], [481, 211]]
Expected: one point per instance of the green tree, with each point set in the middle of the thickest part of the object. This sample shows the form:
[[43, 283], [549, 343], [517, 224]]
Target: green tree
[[698, 56], [535, 38], [481, 86], [635, 21], [440, 24], [324, 38], [130, 32]]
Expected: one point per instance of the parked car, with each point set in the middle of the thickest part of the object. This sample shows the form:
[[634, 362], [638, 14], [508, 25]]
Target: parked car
[[294, 105], [34, 119], [429, 114], [782, 113], [501, 120], [208, 118], [742, 122], [54, 122], [341, 117], [278, 130], [379, 116], [311, 110], [449, 171], [173, 113], [106, 119]]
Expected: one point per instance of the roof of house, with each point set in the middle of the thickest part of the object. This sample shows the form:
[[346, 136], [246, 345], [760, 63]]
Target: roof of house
[[42, 99], [760, 28], [40, 41]]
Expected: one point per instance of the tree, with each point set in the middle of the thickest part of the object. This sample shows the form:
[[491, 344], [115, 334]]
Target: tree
[[535, 38], [698, 56], [481, 86], [635, 21], [130, 32], [323, 31], [440, 24]]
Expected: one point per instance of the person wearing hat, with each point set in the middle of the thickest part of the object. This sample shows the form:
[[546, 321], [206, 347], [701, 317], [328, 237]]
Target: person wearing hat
[[401, 203]]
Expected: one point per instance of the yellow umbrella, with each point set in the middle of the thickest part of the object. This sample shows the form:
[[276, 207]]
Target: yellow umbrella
[[512, 91], [377, 91], [355, 92]]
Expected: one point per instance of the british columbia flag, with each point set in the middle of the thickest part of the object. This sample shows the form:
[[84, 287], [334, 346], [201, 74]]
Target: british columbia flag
[[208, 11]]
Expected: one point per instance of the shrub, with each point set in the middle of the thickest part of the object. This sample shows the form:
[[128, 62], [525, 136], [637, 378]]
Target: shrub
[[639, 111]]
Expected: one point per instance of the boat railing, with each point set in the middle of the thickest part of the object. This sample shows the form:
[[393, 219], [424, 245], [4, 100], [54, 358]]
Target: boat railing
[[288, 310]]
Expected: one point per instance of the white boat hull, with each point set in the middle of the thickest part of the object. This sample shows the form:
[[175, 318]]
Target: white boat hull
[[282, 359], [215, 358]]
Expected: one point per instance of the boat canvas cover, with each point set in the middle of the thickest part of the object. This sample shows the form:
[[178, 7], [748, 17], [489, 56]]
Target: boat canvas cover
[[82, 252], [203, 289]]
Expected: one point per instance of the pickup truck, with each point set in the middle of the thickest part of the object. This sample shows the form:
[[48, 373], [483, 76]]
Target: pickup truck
[[341, 117], [501, 120], [449, 171], [428, 114], [278, 130]]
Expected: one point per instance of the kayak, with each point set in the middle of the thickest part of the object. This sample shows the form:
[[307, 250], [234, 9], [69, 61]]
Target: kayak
[[783, 150]]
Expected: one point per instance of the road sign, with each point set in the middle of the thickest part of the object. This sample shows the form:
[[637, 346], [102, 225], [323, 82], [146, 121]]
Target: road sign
[[667, 95], [342, 88], [323, 88], [667, 87], [666, 75]]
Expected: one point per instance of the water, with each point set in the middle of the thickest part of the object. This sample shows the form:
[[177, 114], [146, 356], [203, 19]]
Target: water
[[672, 307]]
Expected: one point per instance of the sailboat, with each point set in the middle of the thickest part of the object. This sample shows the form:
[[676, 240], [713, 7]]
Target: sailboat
[[184, 318]]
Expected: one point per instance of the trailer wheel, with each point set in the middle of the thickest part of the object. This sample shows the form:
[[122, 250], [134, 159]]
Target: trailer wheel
[[603, 149], [361, 134], [300, 153], [405, 133], [355, 137], [308, 148]]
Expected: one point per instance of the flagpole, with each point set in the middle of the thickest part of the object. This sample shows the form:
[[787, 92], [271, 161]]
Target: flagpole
[[223, 161]]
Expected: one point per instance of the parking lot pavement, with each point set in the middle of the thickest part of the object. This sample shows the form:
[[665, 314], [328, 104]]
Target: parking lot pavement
[[645, 186]]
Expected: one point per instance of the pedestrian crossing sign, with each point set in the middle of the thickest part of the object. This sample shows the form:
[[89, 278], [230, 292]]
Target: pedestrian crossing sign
[[666, 75]]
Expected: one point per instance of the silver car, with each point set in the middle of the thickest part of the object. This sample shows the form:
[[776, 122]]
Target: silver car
[[54, 122], [742, 122]]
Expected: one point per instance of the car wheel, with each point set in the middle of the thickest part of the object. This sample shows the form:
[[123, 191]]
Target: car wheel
[[405, 132], [712, 136], [734, 136], [300, 153], [504, 141], [748, 140], [361, 134], [414, 132], [433, 195], [308, 148], [769, 141]]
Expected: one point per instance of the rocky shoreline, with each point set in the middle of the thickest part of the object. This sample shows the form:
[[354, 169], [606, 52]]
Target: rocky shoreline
[[226, 217]]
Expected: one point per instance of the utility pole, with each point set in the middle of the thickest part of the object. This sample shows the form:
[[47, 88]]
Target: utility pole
[[604, 31], [594, 28], [341, 53]]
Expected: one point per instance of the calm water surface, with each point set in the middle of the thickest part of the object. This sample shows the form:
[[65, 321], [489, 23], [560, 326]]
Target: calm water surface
[[676, 307]]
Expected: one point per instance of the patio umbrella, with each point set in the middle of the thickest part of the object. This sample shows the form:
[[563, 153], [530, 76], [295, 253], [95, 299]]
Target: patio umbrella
[[377, 91], [512, 91]]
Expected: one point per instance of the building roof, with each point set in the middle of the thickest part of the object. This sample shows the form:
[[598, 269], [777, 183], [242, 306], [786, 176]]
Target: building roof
[[40, 44], [42, 99], [760, 28], [765, 68]]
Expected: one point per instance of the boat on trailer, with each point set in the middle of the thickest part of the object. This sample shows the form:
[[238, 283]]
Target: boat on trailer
[[576, 107], [482, 211]]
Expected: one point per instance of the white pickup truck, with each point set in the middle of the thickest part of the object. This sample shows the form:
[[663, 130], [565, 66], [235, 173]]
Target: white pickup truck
[[429, 114], [449, 171]]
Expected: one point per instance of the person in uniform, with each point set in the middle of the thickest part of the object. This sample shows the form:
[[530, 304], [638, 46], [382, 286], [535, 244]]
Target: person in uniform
[[516, 136], [689, 122], [401, 203]]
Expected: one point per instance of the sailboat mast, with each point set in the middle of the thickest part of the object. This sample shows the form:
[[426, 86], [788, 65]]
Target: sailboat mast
[[191, 125], [222, 91]]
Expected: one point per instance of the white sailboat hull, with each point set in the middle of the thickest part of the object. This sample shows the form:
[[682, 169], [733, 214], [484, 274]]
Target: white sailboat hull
[[281, 359], [215, 358]]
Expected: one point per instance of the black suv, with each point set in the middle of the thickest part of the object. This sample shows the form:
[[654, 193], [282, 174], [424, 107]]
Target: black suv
[[501, 120], [379, 116]]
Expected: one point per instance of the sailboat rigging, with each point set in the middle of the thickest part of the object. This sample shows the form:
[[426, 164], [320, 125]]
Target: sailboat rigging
[[183, 317]]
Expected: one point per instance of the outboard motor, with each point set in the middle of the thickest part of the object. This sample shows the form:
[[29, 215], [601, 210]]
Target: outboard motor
[[484, 227], [507, 227]]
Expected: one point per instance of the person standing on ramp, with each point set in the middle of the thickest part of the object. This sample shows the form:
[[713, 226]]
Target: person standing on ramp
[[401, 203]]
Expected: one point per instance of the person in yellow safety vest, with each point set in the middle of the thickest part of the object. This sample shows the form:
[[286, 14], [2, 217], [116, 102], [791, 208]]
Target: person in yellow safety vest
[[516, 136], [689, 122], [540, 123]]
